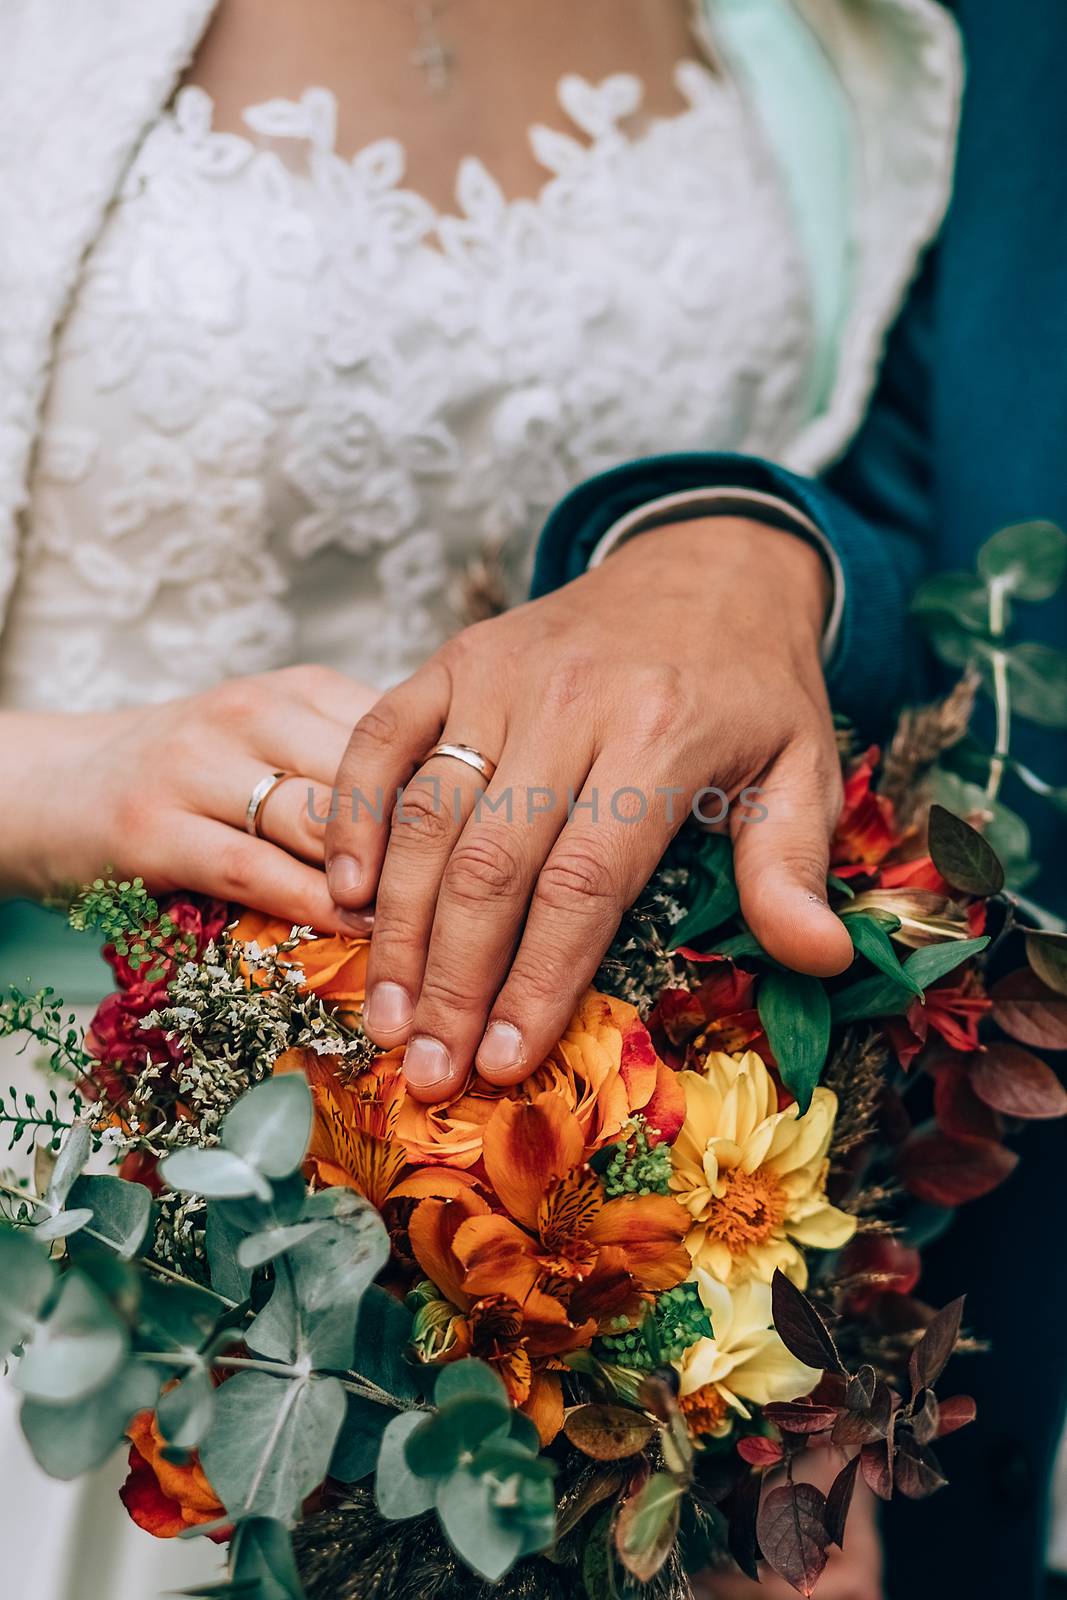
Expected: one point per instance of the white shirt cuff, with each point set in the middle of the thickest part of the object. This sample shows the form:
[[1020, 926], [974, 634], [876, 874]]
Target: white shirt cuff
[[724, 502]]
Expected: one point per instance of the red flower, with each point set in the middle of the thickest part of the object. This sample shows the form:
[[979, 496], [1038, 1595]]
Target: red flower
[[196, 916], [721, 1012], [866, 829], [919, 873], [161, 1497], [121, 1046], [953, 1011]]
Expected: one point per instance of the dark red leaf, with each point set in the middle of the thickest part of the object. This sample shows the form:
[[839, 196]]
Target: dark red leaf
[[793, 1416], [959, 1111], [1013, 1081], [865, 1424], [889, 1266], [742, 1540], [800, 1327], [759, 1451], [930, 1356], [925, 1416], [955, 1413], [918, 1471], [860, 1389], [839, 1499], [947, 1172], [791, 1528], [877, 1468], [1029, 1010], [830, 1390]]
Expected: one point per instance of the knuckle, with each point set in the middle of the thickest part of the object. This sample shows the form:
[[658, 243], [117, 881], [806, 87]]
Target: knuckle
[[236, 879], [237, 700], [445, 994], [311, 680], [377, 729], [421, 819], [535, 987], [567, 682], [576, 878], [659, 703], [483, 866]]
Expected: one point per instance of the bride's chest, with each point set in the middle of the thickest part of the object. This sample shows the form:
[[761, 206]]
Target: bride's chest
[[286, 376]]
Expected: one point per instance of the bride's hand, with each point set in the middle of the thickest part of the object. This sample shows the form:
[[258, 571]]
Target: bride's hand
[[689, 658], [161, 792]]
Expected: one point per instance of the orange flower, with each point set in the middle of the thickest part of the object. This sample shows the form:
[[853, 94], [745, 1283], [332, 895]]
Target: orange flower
[[603, 1070], [353, 1144], [561, 1266], [866, 830], [334, 966], [162, 1498]]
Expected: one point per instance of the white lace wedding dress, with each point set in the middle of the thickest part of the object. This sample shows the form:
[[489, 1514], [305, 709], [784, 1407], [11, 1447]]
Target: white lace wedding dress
[[294, 412]]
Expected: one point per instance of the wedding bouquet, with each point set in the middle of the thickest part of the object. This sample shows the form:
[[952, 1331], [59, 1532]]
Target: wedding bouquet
[[563, 1339]]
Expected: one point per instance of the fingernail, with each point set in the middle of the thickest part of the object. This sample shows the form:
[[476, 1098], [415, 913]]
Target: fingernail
[[501, 1050], [388, 1009], [359, 922], [426, 1061], [343, 875]]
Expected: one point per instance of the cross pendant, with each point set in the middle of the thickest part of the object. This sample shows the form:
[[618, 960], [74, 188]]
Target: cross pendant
[[435, 59]]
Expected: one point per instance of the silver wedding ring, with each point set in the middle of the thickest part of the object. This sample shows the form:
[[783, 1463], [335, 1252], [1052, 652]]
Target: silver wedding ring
[[468, 755], [259, 797]]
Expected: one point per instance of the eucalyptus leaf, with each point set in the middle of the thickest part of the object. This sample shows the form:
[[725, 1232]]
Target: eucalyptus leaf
[[176, 1317], [62, 1224], [458, 1427], [478, 1535], [314, 1307], [1037, 674], [270, 1126], [958, 596], [73, 1155], [795, 1012], [69, 1440], [1029, 559], [186, 1411], [383, 1335], [261, 1552], [216, 1174], [270, 1442], [460, 1380], [398, 1493], [77, 1349], [122, 1212], [259, 1248], [872, 941], [222, 1242], [356, 1451]]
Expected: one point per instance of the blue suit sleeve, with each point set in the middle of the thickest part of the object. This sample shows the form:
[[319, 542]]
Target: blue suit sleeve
[[874, 507]]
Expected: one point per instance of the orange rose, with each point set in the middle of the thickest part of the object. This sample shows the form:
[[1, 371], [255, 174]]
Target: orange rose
[[162, 1498], [604, 1069], [334, 966]]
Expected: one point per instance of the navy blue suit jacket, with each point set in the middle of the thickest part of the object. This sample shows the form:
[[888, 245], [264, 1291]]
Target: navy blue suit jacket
[[968, 431]]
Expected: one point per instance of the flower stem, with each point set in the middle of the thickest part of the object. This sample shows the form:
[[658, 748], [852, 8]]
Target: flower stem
[[1001, 690]]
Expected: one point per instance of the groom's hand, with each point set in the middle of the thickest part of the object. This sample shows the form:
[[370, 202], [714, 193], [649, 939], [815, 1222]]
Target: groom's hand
[[689, 659]]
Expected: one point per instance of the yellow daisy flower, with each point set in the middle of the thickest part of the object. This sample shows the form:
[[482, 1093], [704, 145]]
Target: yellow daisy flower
[[753, 1178], [743, 1360]]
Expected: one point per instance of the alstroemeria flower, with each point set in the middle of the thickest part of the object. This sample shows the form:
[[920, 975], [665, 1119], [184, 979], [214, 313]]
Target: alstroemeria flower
[[952, 1010], [866, 829], [603, 1070], [569, 1261], [744, 1359], [925, 916], [753, 1178], [719, 1014]]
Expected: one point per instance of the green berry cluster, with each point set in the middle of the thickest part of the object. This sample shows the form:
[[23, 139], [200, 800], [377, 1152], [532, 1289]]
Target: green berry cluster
[[680, 1318], [636, 1166]]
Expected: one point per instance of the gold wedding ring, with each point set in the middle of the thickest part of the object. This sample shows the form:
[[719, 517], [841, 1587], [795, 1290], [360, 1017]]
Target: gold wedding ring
[[259, 797], [468, 755]]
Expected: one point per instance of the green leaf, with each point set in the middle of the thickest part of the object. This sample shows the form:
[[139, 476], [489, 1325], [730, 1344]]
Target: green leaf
[[459, 1426], [176, 1317], [77, 1349], [70, 1440], [259, 1248], [398, 1493], [959, 597], [478, 1535], [881, 997], [871, 941], [383, 1335], [715, 895], [215, 1174], [1029, 559], [314, 1307], [356, 1451], [840, 886], [185, 1412], [648, 1526], [261, 1552], [795, 1011], [62, 1224], [121, 1212], [460, 1380], [222, 1242], [270, 1126], [1047, 955], [270, 1442], [1037, 674], [963, 857], [71, 1159]]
